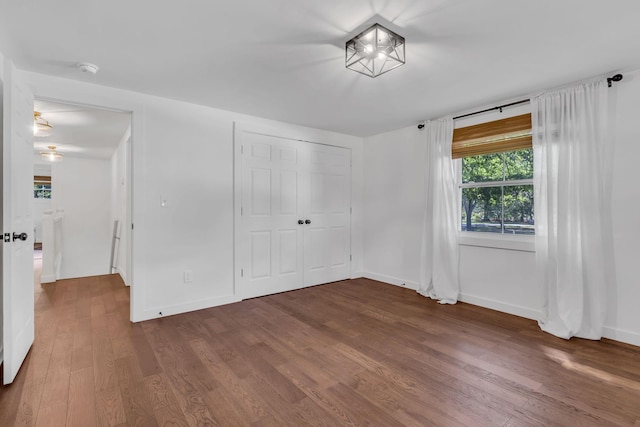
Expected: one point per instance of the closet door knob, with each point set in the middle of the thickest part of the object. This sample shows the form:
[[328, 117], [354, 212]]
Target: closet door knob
[[300, 222], [308, 221]]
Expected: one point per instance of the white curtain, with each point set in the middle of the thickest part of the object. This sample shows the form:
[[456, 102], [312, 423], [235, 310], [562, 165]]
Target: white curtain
[[572, 181], [439, 278]]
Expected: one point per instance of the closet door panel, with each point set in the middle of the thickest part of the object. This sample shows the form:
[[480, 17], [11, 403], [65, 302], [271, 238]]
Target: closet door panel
[[327, 238], [271, 239]]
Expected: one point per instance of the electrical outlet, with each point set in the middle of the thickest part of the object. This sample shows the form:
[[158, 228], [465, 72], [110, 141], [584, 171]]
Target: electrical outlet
[[188, 276]]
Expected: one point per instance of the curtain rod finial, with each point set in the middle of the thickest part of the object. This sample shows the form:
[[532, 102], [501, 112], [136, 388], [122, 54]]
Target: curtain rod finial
[[614, 78]]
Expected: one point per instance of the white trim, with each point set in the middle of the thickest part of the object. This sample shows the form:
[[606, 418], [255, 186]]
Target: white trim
[[621, 335], [390, 280], [50, 278], [154, 313], [123, 276], [515, 310], [517, 242]]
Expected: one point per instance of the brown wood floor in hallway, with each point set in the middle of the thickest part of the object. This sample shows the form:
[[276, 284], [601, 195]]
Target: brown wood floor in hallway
[[352, 353]]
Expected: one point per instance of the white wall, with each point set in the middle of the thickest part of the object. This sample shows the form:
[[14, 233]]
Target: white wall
[[394, 207], [119, 185], [498, 278], [184, 152], [83, 189], [623, 321]]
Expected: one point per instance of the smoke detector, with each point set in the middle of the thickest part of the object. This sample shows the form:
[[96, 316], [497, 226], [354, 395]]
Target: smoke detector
[[87, 67]]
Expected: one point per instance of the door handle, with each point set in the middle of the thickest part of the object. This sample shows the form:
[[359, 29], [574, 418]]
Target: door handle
[[21, 236], [308, 221], [300, 222]]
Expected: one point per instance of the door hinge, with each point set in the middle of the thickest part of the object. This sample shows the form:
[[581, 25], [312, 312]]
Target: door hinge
[[351, 211], [350, 257], [242, 272], [242, 149], [132, 226], [241, 211]]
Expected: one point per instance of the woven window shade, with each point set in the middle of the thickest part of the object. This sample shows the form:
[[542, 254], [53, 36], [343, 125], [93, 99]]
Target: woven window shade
[[40, 179], [513, 133]]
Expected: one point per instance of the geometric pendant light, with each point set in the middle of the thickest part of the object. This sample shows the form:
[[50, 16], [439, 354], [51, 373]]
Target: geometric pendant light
[[374, 51]]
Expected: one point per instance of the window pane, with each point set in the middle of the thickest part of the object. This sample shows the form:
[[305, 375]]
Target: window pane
[[488, 167], [519, 164], [42, 191], [518, 209], [481, 209]]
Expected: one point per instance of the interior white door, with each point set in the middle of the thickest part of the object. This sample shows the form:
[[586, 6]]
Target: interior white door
[[17, 224], [271, 236], [295, 218], [327, 237]]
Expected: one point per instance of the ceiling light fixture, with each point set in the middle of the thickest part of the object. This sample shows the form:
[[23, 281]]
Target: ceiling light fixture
[[87, 67], [52, 155], [41, 127], [374, 51]]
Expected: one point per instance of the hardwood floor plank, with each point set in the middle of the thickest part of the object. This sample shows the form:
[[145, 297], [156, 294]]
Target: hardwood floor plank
[[81, 409], [30, 403], [171, 416], [109, 407]]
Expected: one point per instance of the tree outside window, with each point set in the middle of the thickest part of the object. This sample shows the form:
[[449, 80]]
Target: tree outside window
[[497, 192]]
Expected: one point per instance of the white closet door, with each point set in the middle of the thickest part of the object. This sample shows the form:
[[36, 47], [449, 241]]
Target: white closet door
[[271, 240], [327, 239]]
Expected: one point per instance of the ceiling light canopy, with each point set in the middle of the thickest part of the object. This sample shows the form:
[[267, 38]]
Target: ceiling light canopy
[[52, 155], [41, 127], [375, 51]]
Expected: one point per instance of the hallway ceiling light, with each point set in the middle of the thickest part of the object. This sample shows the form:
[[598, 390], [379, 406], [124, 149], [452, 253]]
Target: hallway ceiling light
[[52, 155], [41, 127], [374, 51]]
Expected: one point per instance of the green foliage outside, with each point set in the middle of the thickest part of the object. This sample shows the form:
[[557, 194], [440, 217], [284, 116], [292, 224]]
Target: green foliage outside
[[500, 209], [42, 191]]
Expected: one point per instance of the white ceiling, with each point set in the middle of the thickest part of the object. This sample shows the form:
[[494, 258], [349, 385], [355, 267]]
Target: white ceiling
[[284, 59], [80, 131]]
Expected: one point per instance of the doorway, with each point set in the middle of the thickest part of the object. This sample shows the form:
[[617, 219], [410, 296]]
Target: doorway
[[88, 187]]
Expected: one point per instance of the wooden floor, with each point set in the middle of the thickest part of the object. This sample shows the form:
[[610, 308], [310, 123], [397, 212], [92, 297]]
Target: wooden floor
[[349, 353]]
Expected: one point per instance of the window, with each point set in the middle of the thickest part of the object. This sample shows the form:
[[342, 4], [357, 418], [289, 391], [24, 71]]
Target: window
[[42, 187], [497, 176]]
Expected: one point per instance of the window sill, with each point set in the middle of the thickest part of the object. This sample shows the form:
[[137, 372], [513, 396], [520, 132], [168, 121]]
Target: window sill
[[497, 241]]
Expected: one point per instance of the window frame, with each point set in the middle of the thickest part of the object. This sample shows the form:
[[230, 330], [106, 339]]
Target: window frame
[[508, 241]]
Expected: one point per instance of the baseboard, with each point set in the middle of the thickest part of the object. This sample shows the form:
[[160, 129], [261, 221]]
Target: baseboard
[[170, 310], [621, 335], [123, 276], [49, 278], [470, 299], [615, 334], [391, 280], [516, 310]]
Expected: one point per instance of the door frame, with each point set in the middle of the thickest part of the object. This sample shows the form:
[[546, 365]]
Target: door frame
[[129, 187], [238, 129]]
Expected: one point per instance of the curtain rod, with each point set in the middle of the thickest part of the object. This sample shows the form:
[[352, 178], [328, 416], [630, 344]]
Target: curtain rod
[[499, 107], [614, 78]]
